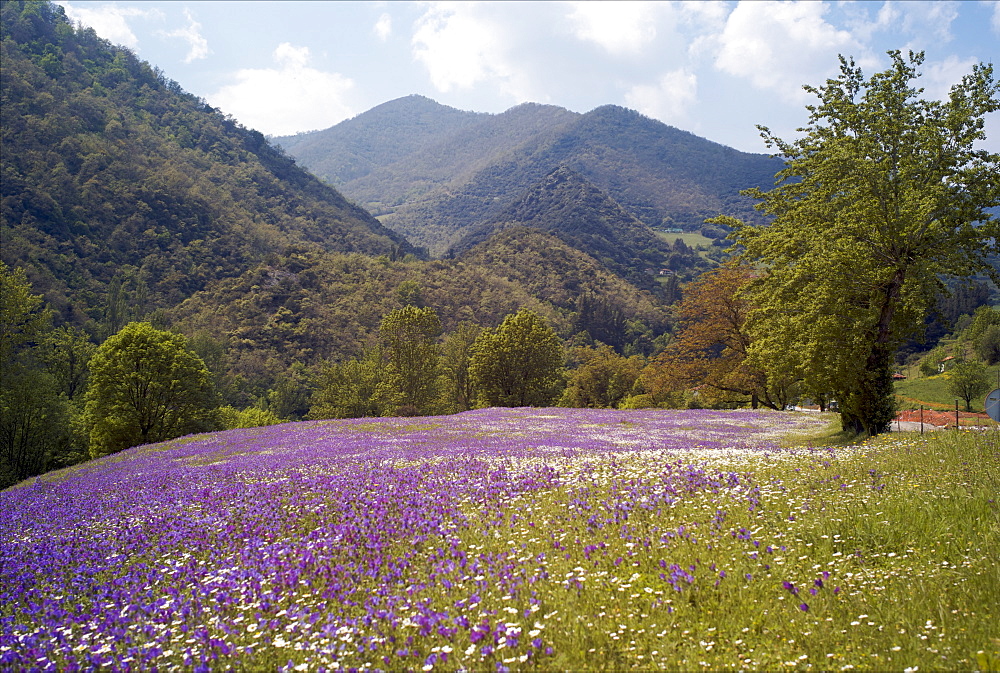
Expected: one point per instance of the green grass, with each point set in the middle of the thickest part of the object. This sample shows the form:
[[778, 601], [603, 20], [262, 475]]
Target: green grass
[[902, 532], [932, 392], [830, 435], [692, 239], [907, 527]]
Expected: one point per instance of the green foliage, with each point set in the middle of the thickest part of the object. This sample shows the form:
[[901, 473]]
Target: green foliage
[[877, 200], [458, 393], [37, 381], [66, 352], [566, 205], [408, 340], [146, 386], [231, 418], [23, 316], [968, 380], [350, 389], [602, 379], [608, 308], [988, 345], [122, 194], [984, 333], [519, 364], [34, 424]]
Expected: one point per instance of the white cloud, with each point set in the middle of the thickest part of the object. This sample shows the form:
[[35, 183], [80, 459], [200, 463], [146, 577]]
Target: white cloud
[[192, 35], [383, 27], [458, 48], [621, 28], [928, 22], [940, 76], [779, 46], [110, 21], [289, 98], [669, 99], [996, 16], [464, 44]]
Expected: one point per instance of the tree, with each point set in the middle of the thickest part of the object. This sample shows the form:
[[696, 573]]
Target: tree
[[408, 337], [66, 352], [884, 193], [456, 355], [988, 345], [984, 332], [603, 379], [350, 389], [146, 386], [713, 342], [24, 319], [968, 380], [519, 364], [34, 417]]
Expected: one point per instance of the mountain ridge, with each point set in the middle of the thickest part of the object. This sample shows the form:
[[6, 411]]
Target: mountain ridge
[[661, 175], [112, 174]]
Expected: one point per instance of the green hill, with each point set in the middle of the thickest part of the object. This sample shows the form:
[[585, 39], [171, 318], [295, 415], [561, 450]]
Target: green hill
[[464, 177], [572, 209], [311, 306], [381, 136], [121, 191]]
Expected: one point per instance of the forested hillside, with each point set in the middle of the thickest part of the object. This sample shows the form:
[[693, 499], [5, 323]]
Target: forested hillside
[[304, 309], [572, 209], [141, 226], [353, 149], [460, 178], [122, 194]]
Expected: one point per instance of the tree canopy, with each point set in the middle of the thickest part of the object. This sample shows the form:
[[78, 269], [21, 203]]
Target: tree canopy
[[712, 343], [884, 193], [518, 364], [408, 337], [146, 386]]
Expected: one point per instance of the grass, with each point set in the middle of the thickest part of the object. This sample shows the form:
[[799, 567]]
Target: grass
[[883, 555], [906, 529], [692, 239], [931, 392]]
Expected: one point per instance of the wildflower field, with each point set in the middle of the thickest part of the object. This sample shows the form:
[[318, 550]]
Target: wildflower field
[[521, 539]]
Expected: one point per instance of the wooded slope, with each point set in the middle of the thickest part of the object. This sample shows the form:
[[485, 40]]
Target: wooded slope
[[465, 174], [114, 177]]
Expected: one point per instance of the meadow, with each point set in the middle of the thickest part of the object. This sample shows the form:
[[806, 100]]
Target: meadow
[[512, 539]]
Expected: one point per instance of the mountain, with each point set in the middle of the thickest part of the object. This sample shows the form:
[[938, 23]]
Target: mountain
[[576, 212], [122, 194], [459, 178], [381, 136]]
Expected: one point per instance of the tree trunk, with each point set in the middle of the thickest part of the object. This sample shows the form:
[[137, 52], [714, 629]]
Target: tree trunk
[[871, 405]]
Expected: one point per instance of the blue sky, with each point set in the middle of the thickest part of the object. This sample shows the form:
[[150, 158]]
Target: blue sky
[[716, 69]]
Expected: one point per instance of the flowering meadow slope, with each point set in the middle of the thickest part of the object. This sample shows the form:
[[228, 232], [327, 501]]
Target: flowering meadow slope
[[515, 538]]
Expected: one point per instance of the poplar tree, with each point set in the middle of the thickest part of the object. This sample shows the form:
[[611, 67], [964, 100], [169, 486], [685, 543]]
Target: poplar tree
[[884, 194], [408, 337]]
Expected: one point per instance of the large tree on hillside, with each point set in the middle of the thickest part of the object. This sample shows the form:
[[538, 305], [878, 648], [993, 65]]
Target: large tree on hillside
[[884, 193], [146, 386]]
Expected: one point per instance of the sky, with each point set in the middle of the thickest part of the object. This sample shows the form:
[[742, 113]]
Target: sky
[[716, 69]]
